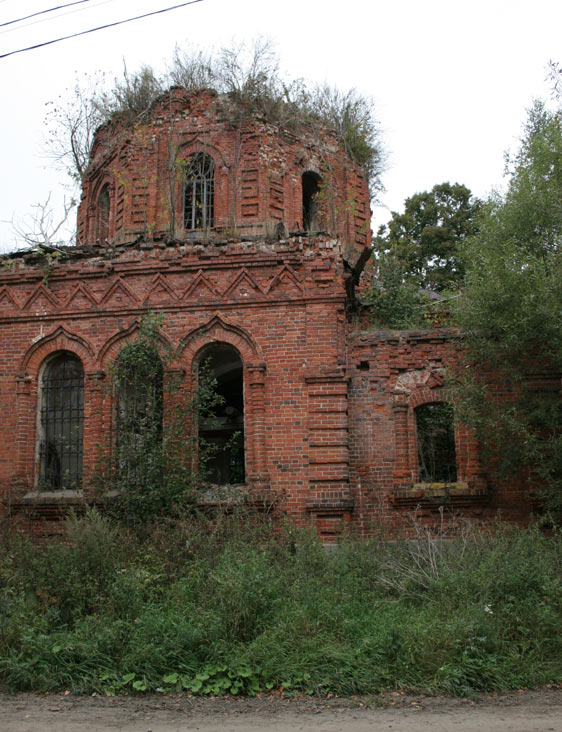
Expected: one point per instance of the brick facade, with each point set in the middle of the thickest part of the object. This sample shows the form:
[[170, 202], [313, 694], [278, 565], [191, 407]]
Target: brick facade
[[329, 421]]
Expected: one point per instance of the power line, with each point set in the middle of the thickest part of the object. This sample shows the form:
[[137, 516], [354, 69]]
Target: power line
[[101, 27], [42, 12], [56, 17]]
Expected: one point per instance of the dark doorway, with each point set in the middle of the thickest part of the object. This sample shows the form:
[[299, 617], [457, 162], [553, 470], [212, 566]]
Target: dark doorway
[[310, 188], [221, 415]]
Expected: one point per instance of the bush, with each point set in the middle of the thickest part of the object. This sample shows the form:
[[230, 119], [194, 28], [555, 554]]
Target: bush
[[236, 605]]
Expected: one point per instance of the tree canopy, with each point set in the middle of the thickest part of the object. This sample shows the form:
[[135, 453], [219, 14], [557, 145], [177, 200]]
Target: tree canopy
[[418, 253], [426, 238], [510, 312]]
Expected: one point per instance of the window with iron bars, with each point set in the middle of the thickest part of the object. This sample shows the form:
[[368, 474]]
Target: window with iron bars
[[435, 432], [62, 423], [198, 192]]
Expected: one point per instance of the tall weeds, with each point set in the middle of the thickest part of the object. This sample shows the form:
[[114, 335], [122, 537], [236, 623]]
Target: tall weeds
[[237, 605]]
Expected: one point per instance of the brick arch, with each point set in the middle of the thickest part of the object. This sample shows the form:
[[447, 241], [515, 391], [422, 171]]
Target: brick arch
[[196, 146], [110, 349], [408, 382], [100, 182], [424, 395], [307, 166], [220, 180], [410, 390], [218, 330], [59, 340], [28, 392]]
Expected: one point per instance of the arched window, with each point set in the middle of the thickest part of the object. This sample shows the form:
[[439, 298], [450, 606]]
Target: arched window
[[62, 422], [139, 416], [435, 432], [102, 214], [310, 187], [221, 415], [198, 192]]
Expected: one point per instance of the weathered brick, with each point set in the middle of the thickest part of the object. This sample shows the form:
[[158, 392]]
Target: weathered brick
[[329, 407]]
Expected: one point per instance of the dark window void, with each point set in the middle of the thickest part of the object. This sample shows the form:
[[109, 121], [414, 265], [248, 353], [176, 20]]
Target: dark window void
[[436, 443], [310, 187], [139, 417], [62, 423], [221, 418], [198, 192], [102, 214]]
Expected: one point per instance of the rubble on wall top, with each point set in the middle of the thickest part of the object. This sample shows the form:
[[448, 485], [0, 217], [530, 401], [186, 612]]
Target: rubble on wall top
[[45, 255]]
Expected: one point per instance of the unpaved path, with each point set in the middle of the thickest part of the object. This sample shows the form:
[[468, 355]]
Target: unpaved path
[[529, 711]]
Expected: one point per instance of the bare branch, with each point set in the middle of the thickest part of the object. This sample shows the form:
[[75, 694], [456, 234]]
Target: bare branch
[[41, 228]]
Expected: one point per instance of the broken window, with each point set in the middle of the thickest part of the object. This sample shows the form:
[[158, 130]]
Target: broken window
[[310, 189], [62, 422], [221, 415], [139, 416], [102, 214], [435, 432], [198, 192]]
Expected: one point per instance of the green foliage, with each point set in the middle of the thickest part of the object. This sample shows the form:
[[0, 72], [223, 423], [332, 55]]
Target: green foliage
[[426, 239], [234, 607], [395, 301], [157, 462], [509, 313]]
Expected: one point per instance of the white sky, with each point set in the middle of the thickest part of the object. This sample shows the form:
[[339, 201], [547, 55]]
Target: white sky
[[451, 81]]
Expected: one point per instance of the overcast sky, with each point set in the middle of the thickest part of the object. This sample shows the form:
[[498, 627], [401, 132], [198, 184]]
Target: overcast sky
[[450, 81]]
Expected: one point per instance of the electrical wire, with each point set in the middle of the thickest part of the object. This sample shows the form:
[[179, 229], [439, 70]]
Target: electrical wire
[[42, 12], [101, 27], [55, 17]]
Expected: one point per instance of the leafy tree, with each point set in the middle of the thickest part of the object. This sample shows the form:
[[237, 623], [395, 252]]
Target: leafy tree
[[426, 238], [510, 312], [395, 301]]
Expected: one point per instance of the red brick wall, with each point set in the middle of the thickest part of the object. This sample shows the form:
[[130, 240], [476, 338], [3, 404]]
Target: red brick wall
[[330, 431], [393, 372], [258, 171], [280, 304]]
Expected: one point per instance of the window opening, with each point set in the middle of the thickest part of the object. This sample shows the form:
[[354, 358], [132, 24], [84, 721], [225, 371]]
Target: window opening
[[139, 417], [62, 423], [310, 188], [198, 194], [435, 429], [221, 416], [102, 214]]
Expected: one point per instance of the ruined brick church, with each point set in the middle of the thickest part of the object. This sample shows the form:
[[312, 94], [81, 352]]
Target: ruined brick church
[[250, 241]]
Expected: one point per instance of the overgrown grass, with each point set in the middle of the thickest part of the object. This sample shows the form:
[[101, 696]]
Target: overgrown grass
[[236, 606]]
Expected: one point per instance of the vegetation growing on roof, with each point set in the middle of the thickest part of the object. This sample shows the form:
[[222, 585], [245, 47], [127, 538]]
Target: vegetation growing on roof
[[249, 84]]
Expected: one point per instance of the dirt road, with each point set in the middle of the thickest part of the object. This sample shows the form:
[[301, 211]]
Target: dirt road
[[534, 711]]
